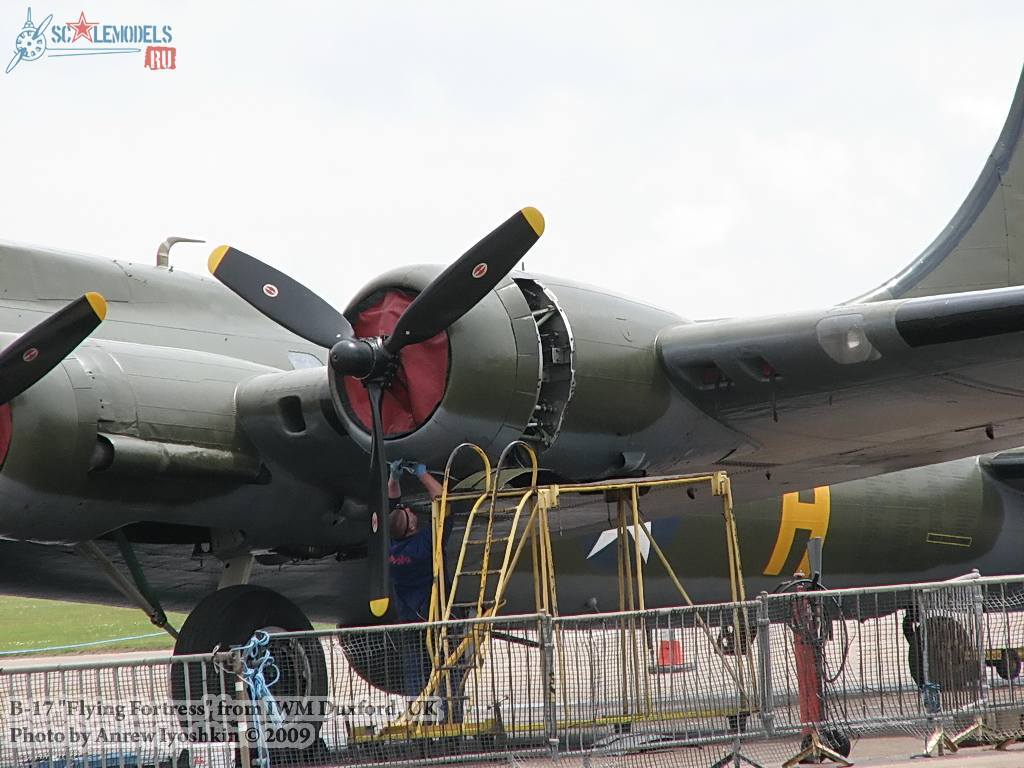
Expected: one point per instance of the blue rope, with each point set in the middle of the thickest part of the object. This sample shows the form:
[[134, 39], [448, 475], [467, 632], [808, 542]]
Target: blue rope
[[931, 693], [257, 664], [79, 645]]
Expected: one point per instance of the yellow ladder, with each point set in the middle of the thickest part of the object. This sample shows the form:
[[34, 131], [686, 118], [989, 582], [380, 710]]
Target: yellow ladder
[[499, 527], [487, 549]]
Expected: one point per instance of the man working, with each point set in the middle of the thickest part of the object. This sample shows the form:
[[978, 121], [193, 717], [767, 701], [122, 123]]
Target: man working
[[412, 579], [412, 545]]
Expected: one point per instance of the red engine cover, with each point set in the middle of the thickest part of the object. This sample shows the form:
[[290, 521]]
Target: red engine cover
[[421, 377], [5, 431]]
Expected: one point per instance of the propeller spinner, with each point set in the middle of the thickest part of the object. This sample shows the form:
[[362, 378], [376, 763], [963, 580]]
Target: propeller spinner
[[375, 359]]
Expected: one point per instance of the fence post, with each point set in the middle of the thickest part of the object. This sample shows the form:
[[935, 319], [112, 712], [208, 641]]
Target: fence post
[[923, 603], [978, 594], [547, 662], [765, 667], [243, 701]]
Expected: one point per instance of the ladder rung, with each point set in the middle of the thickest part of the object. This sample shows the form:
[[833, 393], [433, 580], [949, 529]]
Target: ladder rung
[[493, 540], [488, 572], [484, 604]]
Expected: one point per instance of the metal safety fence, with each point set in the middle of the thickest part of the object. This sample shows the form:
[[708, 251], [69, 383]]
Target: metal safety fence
[[755, 681]]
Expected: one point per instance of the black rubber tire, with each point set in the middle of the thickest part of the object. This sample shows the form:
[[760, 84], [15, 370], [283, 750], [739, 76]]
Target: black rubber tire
[[952, 657], [728, 640], [837, 741], [738, 722], [1009, 665], [229, 617], [376, 658]]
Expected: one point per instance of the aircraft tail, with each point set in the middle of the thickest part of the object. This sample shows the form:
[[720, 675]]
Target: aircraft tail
[[983, 244]]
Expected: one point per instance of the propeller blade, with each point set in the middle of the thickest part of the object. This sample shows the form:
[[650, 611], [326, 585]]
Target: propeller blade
[[40, 349], [284, 300], [379, 542], [463, 284]]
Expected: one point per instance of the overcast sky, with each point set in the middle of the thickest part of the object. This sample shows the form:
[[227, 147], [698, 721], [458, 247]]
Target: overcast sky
[[715, 159]]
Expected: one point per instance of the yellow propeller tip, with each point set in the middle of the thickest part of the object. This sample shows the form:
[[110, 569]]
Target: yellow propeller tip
[[216, 257], [379, 606], [98, 304], [535, 218]]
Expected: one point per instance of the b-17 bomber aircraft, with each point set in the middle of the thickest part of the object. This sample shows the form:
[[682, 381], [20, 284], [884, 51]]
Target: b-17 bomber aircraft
[[214, 431]]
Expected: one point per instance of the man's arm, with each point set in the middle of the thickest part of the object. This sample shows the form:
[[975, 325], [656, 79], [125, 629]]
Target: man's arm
[[434, 489], [394, 481], [429, 481]]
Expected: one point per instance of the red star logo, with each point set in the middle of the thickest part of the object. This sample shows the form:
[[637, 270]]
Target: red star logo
[[82, 27]]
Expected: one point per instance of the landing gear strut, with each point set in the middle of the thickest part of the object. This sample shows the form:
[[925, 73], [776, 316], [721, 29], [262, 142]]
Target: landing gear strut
[[136, 589]]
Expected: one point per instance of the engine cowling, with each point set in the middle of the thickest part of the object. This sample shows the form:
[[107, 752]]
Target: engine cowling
[[477, 382], [570, 369]]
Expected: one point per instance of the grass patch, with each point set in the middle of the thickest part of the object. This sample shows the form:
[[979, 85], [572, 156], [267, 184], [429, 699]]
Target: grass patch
[[27, 623]]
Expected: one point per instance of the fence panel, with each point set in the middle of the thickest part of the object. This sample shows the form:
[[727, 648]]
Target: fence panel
[[685, 686], [100, 714]]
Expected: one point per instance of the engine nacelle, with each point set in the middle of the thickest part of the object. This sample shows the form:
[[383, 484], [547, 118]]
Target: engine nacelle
[[569, 369], [121, 432]]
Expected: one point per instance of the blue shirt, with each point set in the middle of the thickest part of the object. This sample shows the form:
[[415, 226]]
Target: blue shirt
[[412, 572]]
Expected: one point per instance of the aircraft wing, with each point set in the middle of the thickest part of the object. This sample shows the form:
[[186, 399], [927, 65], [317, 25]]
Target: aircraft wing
[[926, 367], [861, 388]]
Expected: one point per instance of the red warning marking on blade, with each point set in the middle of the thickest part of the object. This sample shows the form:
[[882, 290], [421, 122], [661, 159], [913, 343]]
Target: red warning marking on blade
[[373, 522], [270, 290], [30, 354], [480, 270]]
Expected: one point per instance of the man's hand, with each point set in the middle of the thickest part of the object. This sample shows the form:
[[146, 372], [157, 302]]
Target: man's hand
[[414, 468], [395, 469], [420, 470]]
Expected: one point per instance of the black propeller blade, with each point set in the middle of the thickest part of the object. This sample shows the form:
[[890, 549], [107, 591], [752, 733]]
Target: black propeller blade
[[40, 349], [462, 285], [374, 360], [379, 545], [285, 301]]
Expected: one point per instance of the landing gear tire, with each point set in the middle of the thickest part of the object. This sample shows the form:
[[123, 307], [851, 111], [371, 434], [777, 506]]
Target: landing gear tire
[[738, 723], [1009, 664], [952, 658], [728, 642], [229, 617], [379, 658]]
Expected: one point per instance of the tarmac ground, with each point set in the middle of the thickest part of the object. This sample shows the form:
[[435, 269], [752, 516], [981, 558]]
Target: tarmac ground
[[906, 751]]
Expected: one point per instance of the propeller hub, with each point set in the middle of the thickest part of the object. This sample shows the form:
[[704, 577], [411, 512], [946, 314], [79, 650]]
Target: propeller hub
[[364, 358]]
